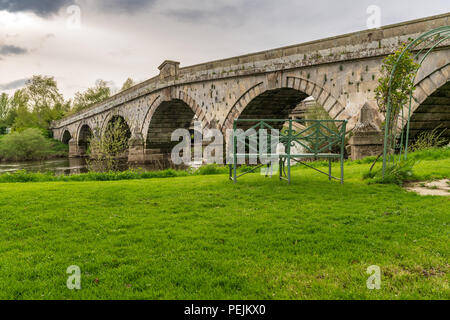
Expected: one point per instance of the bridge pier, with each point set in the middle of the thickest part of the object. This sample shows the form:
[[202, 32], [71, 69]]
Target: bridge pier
[[73, 149], [136, 152]]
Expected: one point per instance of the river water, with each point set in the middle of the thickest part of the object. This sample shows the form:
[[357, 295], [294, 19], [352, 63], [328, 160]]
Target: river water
[[68, 166], [57, 166]]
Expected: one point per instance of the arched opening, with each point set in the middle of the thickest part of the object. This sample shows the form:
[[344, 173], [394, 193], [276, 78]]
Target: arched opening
[[117, 134], [84, 138], [287, 103], [168, 117], [66, 137], [433, 115], [272, 104]]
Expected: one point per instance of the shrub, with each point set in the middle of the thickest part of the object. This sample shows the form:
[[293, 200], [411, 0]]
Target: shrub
[[428, 140], [396, 174], [30, 144], [106, 150], [211, 170]]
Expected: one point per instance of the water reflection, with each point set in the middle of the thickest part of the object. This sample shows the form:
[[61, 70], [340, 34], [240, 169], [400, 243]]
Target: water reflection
[[77, 165]]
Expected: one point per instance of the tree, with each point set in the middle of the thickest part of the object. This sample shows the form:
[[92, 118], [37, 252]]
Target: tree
[[393, 92], [91, 96], [4, 106], [127, 84], [4, 110], [43, 93], [39, 103], [106, 150], [395, 87]]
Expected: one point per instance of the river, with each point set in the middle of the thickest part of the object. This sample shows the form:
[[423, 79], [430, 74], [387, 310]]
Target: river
[[66, 166]]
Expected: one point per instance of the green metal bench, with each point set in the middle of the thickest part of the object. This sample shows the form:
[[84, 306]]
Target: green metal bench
[[318, 140]]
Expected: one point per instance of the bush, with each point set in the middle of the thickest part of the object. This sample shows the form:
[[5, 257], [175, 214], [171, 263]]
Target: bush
[[105, 151], [396, 174], [211, 169], [30, 144], [429, 140]]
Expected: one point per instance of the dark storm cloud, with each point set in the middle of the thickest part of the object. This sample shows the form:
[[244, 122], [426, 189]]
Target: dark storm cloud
[[13, 84], [9, 50], [43, 8]]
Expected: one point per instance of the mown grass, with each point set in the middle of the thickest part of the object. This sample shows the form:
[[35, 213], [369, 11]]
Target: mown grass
[[202, 237]]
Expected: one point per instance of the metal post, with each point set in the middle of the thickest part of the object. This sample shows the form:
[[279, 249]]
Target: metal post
[[234, 152], [280, 168], [289, 151], [344, 129], [329, 165], [386, 134]]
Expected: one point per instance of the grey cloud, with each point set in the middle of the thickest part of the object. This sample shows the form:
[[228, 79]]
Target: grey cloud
[[227, 15], [10, 50], [13, 84], [124, 6], [223, 13], [42, 8], [47, 8]]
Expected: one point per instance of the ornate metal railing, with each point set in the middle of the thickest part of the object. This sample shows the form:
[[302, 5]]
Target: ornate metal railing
[[319, 139]]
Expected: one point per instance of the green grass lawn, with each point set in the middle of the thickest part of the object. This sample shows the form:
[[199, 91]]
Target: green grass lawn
[[202, 237]]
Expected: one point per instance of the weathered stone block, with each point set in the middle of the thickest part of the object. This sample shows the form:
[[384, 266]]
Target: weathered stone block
[[367, 137]]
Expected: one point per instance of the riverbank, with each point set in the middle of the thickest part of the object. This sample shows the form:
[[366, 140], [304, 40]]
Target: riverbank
[[30, 145], [203, 237], [432, 164]]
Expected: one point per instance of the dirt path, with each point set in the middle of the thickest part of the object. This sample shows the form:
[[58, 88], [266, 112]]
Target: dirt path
[[435, 188]]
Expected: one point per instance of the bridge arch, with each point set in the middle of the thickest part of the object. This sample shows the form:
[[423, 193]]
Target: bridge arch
[[84, 134], [430, 108], [113, 116], [66, 136], [160, 102], [162, 119], [262, 101], [294, 91]]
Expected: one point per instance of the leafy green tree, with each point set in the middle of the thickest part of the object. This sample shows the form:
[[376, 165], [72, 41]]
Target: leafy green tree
[[18, 101], [127, 84], [106, 150], [4, 110], [91, 96], [4, 106], [395, 86], [39, 103]]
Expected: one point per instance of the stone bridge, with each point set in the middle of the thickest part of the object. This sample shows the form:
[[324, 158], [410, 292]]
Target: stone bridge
[[340, 73]]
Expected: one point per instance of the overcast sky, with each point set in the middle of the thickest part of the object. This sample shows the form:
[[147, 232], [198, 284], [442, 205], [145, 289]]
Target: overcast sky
[[118, 39]]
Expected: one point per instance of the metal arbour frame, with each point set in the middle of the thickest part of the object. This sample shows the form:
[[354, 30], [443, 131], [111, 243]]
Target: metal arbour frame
[[429, 41], [317, 139]]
